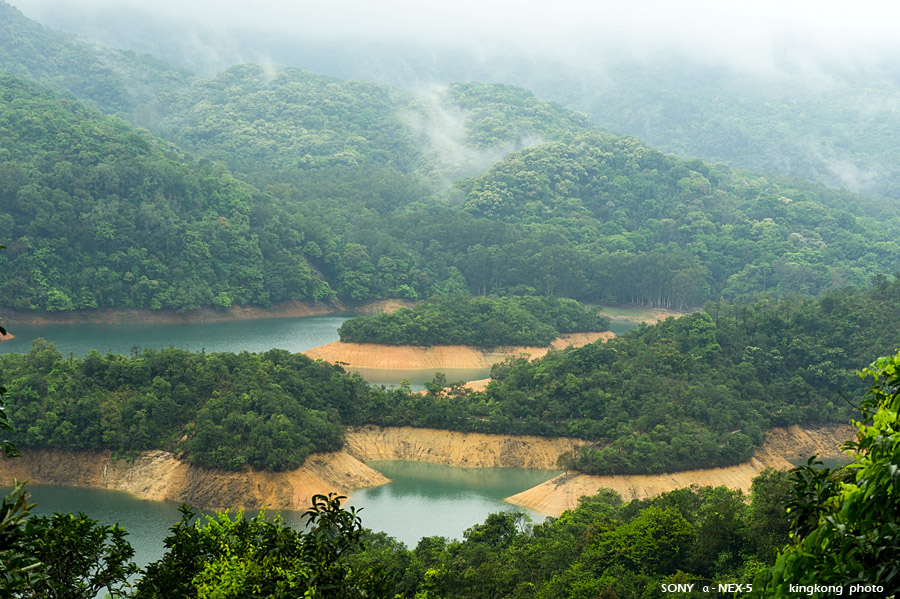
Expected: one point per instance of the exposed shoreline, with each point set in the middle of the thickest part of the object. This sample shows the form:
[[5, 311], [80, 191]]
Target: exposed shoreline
[[409, 357], [291, 309], [638, 314], [117, 316], [159, 475], [781, 447]]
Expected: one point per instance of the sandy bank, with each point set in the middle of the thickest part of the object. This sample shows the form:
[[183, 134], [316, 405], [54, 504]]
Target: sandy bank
[[5, 336], [638, 314], [782, 446], [451, 448], [158, 475], [385, 306], [407, 357]]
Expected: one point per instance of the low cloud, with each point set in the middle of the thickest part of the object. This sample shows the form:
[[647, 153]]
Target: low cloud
[[442, 128], [812, 37]]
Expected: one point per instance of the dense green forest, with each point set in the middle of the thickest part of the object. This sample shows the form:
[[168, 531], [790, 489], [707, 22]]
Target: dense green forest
[[269, 411], [115, 81], [837, 130], [699, 542], [597, 218], [483, 322], [356, 190], [828, 122], [99, 214], [693, 392]]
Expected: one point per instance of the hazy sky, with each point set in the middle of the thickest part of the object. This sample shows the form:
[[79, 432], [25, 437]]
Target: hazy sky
[[765, 35]]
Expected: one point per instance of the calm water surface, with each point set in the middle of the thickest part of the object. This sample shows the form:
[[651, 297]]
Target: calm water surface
[[433, 500], [421, 500], [292, 334]]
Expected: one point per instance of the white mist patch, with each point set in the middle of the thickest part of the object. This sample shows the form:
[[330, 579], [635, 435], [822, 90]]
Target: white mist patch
[[443, 129], [851, 176]]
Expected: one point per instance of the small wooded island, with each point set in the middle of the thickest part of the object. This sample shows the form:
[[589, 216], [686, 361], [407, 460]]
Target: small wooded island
[[484, 322]]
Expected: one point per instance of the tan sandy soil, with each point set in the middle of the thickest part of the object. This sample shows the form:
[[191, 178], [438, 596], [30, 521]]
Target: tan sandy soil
[[5, 336], [385, 306], [479, 385], [408, 357], [452, 448], [795, 443], [648, 315], [158, 475]]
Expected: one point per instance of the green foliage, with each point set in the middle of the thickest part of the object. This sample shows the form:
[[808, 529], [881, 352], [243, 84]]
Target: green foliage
[[101, 215], [672, 232], [460, 319], [79, 557], [241, 558], [268, 411], [355, 199], [603, 548], [116, 81], [774, 124], [846, 525], [260, 121], [692, 392], [19, 568]]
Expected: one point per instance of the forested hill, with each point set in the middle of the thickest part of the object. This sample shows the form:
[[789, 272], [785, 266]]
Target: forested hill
[[658, 229], [838, 129], [97, 214], [363, 191], [115, 81], [693, 392], [273, 125], [482, 322]]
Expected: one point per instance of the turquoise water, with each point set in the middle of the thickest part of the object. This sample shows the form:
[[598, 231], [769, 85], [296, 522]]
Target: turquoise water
[[421, 500], [433, 500], [292, 334]]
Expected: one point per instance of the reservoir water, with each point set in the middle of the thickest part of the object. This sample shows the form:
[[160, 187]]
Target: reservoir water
[[292, 334], [421, 500]]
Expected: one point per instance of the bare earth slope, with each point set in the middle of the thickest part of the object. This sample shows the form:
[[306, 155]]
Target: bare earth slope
[[159, 475], [451, 448], [782, 446]]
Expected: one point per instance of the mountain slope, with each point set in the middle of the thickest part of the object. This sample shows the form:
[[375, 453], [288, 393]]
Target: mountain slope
[[99, 214]]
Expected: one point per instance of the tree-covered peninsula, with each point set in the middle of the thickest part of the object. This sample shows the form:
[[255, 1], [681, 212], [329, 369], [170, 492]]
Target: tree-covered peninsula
[[461, 319], [693, 392]]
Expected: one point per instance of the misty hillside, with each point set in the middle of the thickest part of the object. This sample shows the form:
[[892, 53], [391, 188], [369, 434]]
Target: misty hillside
[[781, 99], [707, 225], [116, 81], [359, 190], [97, 214]]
